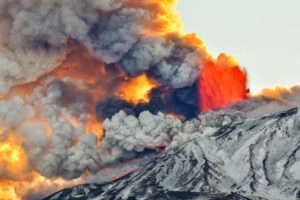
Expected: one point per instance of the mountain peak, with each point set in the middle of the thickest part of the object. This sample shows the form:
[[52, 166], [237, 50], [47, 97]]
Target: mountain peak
[[247, 159]]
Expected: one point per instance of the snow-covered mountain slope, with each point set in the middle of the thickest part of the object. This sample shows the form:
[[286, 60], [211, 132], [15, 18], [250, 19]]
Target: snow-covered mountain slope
[[248, 159]]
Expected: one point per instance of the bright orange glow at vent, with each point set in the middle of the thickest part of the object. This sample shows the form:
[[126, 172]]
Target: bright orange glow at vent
[[221, 83]]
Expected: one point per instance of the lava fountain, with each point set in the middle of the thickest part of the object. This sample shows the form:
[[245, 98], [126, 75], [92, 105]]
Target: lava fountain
[[222, 82]]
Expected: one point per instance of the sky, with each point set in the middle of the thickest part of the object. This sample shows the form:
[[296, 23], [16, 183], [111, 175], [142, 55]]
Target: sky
[[263, 35]]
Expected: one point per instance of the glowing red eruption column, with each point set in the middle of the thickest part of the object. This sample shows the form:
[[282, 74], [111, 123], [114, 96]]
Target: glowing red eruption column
[[221, 82]]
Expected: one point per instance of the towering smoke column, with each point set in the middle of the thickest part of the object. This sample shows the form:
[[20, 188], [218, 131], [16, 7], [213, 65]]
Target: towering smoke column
[[68, 66]]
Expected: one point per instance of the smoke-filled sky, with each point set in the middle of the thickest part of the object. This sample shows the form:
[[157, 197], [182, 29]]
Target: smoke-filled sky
[[263, 35]]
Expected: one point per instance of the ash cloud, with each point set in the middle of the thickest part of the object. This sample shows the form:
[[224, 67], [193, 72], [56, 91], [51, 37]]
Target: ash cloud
[[20, 66], [114, 31], [54, 146], [58, 147], [34, 37], [69, 151], [269, 101], [165, 60], [149, 131]]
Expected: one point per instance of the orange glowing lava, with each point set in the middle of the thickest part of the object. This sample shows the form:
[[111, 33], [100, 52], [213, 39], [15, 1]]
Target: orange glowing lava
[[13, 160], [14, 167], [18, 179], [20, 189], [136, 90], [222, 82]]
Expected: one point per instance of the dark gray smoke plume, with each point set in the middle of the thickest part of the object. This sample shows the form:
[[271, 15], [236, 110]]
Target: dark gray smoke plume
[[113, 31]]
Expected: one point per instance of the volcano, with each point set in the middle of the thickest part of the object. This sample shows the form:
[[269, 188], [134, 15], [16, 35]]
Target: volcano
[[245, 159], [93, 90]]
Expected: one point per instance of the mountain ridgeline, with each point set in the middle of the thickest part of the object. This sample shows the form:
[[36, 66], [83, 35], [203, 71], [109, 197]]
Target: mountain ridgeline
[[247, 159]]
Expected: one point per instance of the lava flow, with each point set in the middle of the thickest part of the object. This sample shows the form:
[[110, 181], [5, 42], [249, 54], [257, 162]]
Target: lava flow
[[221, 83]]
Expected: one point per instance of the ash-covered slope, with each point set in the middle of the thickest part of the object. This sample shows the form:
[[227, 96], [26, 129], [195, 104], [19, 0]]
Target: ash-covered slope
[[248, 159]]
